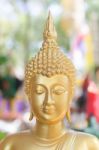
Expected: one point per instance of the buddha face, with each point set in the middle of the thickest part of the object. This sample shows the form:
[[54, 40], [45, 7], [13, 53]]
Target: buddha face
[[49, 97]]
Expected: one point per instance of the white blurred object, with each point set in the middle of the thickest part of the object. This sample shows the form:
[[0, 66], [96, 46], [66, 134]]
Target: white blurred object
[[10, 127]]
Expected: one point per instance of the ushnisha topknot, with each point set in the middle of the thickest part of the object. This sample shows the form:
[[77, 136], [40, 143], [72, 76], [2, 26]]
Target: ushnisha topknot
[[49, 61]]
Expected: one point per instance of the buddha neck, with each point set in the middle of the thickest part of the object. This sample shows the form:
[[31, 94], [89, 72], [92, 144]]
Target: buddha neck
[[47, 131]]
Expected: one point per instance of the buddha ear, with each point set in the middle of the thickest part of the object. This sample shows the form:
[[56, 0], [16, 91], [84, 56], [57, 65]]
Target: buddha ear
[[31, 116], [68, 116], [31, 113]]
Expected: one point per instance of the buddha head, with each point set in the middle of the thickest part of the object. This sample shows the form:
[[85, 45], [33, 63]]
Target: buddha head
[[49, 80]]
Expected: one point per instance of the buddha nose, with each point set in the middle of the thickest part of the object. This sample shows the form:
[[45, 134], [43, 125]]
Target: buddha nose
[[49, 100]]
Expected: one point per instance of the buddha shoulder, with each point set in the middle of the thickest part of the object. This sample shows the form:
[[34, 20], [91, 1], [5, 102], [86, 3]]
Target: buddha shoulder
[[87, 141], [11, 141]]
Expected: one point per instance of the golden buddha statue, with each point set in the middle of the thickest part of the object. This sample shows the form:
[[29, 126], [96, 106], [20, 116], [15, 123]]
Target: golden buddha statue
[[49, 85]]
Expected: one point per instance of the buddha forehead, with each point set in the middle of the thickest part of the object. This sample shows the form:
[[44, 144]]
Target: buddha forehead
[[50, 81]]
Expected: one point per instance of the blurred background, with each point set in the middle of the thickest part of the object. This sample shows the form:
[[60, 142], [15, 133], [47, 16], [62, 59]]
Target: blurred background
[[21, 28]]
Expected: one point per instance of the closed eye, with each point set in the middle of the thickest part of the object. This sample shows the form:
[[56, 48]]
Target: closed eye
[[59, 90], [40, 89]]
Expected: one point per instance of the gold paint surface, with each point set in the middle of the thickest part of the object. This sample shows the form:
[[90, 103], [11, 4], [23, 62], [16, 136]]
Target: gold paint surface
[[49, 85]]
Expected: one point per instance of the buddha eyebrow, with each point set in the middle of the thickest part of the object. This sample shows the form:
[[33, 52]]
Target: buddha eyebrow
[[41, 85], [58, 85]]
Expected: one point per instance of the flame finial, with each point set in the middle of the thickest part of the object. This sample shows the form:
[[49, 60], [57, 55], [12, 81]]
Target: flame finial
[[50, 32]]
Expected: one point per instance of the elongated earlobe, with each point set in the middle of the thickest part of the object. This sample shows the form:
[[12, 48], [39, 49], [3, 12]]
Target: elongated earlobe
[[68, 116], [31, 116]]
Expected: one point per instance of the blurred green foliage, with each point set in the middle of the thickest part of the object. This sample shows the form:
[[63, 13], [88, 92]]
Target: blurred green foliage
[[3, 60], [2, 135]]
